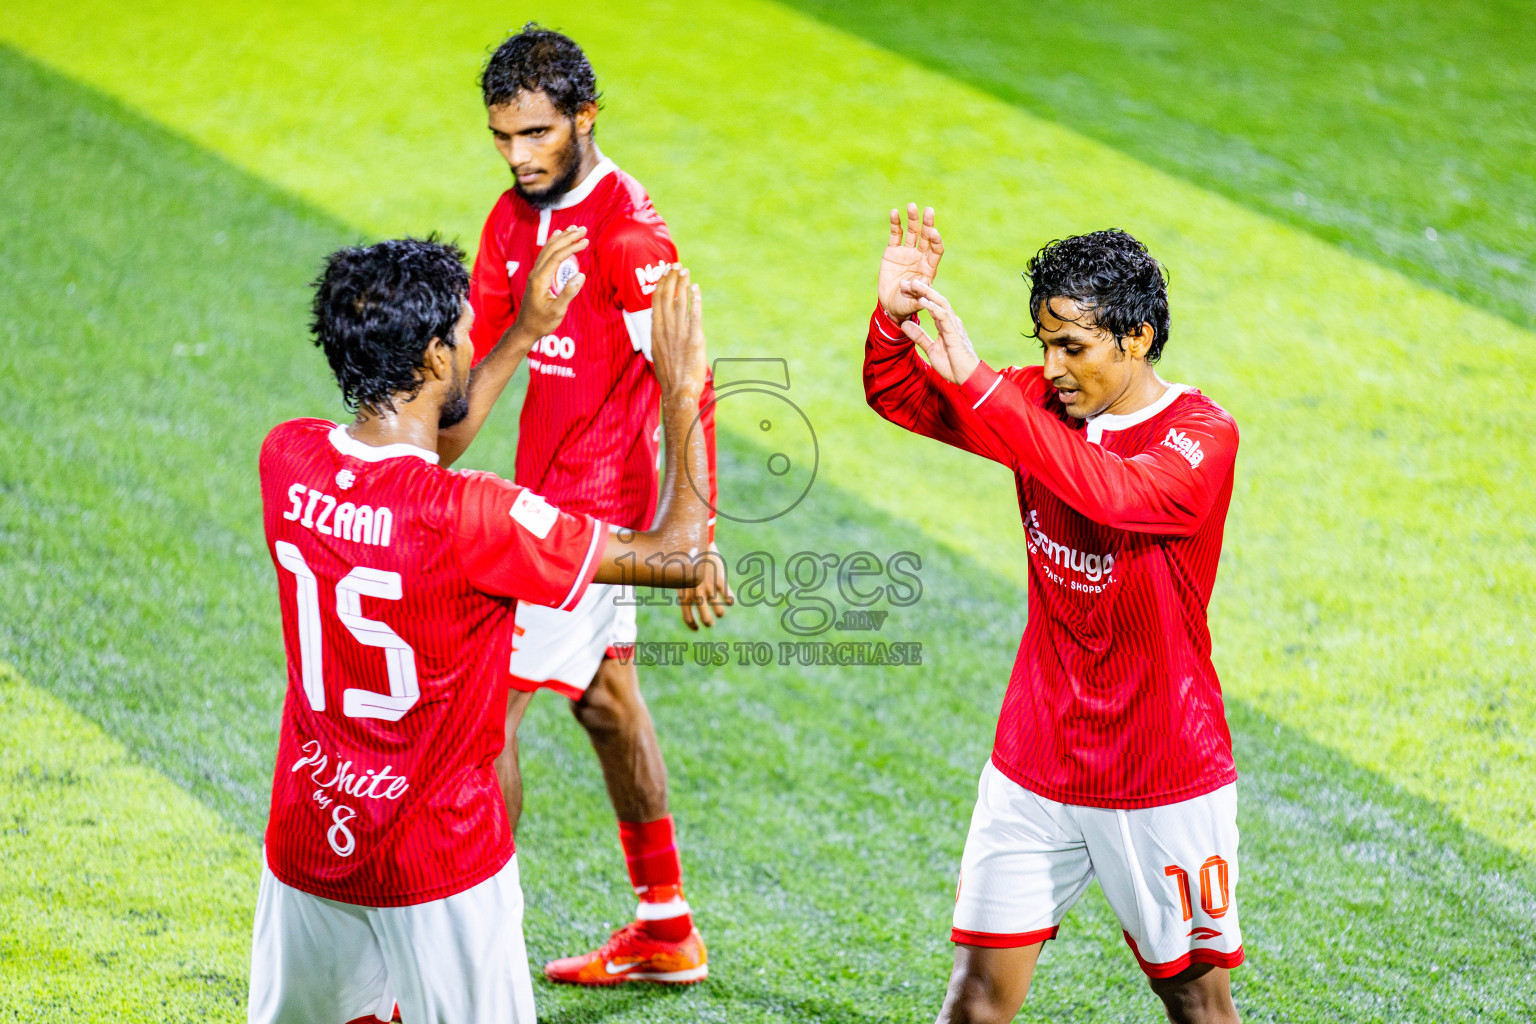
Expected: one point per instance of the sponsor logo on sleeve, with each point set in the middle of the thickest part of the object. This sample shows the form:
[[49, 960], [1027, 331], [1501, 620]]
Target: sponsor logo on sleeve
[[512, 266], [534, 514], [1185, 446], [649, 276]]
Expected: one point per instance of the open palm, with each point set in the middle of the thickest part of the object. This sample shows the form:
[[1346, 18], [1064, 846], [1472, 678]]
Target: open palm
[[910, 254]]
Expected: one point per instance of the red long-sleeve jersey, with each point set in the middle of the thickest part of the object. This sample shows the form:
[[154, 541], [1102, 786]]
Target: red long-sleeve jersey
[[1113, 700], [590, 427]]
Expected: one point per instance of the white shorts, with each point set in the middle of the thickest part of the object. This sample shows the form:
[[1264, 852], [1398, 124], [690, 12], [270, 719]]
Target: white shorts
[[1169, 872], [560, 651], [460, 958]]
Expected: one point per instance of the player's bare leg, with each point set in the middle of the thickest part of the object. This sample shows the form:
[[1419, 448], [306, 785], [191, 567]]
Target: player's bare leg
[[661, 944], [1200, 995], [619, 725], [988, 986], [508, 770]]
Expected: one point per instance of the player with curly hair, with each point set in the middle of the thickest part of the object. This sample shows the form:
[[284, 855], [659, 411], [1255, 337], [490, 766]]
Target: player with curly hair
[[389, 871], [1112, 757]]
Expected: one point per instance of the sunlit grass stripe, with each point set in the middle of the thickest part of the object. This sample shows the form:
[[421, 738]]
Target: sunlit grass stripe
[[122, 898]]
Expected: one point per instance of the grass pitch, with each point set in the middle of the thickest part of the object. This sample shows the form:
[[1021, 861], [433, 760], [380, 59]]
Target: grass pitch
[[1370, 617], [121, 897], [1398, 129]]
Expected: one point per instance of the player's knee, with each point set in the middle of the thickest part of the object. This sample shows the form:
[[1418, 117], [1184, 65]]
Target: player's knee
[[608, 706], [974, 1000], [1191, 998], [506, 761]]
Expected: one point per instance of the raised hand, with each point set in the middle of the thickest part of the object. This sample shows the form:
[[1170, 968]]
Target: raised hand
[[667, 555], [912, 254], [677, 336], [540, 314], [952, 355], [544, 305]]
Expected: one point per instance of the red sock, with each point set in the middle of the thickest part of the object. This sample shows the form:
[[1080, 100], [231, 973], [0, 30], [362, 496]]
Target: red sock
[[650, 851]]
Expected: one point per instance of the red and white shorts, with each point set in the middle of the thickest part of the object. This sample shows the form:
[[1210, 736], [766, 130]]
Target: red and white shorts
[[1169, 872], [460, 958], [560, 651]]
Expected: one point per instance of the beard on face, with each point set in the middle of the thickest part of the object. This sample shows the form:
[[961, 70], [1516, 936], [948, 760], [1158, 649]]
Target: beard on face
[[564, 175], [456, 408]]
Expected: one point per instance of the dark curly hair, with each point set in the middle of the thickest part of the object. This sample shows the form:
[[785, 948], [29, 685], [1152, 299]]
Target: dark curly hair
[[1108, 273], [538, 60], [376, 309]]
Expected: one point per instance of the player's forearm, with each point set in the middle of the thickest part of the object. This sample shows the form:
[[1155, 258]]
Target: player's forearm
[[1122, 493], [486, 383], [905, 390], [668, 554]]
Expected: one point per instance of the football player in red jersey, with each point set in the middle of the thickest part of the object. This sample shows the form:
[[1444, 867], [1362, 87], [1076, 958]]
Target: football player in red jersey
[[389, 867], [1112, 757], [587, 440]]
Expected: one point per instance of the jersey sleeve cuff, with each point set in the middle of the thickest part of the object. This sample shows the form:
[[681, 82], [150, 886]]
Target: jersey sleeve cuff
[[588, 567], [887, 325], [978, 387]]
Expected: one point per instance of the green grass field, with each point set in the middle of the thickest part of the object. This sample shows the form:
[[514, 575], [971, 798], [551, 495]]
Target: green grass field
[[173, 174]]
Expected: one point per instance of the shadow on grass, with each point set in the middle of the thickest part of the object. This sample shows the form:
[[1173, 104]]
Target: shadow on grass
[[653, 1002], [1418, 168]]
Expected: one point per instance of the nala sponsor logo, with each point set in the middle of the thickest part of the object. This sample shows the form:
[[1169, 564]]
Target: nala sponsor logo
[[1093, 565], [648, 276], [1185, 446]]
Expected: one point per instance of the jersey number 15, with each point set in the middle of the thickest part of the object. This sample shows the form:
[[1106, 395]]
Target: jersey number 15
[[399, 658]]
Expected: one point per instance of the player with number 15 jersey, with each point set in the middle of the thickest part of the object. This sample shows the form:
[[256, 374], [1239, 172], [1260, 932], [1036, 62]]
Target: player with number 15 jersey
[[390, 875], [394, 576]]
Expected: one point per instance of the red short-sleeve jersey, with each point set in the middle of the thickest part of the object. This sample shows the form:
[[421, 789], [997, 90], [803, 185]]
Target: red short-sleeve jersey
[[397, 582], [590, 428]]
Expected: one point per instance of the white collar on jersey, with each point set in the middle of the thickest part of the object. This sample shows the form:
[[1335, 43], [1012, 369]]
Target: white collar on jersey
[[1109, 421], [349, 445], [604, 168]]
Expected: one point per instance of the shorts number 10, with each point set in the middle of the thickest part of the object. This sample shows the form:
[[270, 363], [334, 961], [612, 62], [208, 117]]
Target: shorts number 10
[[1213, 880]]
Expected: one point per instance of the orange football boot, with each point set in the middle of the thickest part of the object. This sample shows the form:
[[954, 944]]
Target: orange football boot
[[632, 955]]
